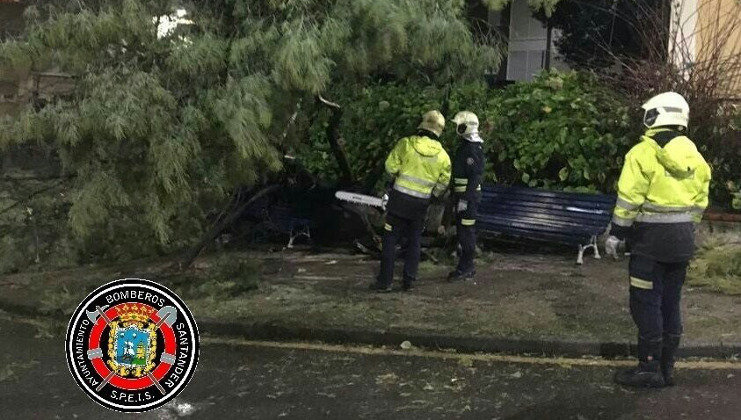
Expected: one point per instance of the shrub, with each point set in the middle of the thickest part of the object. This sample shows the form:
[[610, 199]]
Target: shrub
[[560, 131], [373, 120], [719, 139]]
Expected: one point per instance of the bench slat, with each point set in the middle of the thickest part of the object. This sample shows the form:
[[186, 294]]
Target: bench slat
[[546, 193], [578, 200], [564, 217], [525, 233], [522, 223], [550, 211], [564, 223]]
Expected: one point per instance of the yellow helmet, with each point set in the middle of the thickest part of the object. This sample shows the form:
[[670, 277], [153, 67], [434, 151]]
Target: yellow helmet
[[466, 123], [433, 121]]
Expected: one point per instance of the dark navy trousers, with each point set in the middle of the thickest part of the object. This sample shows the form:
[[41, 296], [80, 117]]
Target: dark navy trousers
[[396, 229], [466, 231], [655, 295]]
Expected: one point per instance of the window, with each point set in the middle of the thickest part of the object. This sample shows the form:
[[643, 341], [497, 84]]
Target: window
[[527, 43]]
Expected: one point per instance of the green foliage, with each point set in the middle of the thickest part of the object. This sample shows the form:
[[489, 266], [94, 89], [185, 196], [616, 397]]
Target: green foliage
[[718, 264], [735, 191], [547, 6], [32, 225], [375, 118], [226, 276], [561, 131], [718, 136], [158, 132]]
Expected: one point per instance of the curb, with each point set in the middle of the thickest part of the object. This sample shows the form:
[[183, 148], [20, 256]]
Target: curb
[[462, 344]]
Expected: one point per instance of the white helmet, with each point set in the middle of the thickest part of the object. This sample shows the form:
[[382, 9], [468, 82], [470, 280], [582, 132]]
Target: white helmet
[[466, 122], [668, 108]]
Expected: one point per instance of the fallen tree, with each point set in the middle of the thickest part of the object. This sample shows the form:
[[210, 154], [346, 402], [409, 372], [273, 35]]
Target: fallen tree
[[177, 105]]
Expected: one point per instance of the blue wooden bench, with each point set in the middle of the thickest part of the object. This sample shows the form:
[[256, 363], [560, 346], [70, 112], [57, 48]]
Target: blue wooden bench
[[289, 221], [281, 219], [554, 216]]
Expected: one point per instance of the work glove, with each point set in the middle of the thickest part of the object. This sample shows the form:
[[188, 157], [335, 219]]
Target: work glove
[[611, 246], [462, 205], [384, 201]]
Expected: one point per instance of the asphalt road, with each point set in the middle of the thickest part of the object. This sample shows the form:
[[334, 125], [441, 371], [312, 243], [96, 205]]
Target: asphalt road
[[266, 380]]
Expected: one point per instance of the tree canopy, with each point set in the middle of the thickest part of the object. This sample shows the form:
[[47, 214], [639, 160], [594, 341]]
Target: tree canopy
[[161, 130], [545, 6]]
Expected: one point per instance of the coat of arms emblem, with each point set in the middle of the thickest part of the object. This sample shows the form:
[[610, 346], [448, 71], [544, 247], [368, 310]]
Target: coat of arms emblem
[[132, 342], [132, 345]]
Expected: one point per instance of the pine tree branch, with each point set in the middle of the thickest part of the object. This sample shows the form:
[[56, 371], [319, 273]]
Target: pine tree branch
[[30, 196], [223, 224]]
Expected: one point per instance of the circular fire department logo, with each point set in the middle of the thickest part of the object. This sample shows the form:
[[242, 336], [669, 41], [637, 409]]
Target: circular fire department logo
[[132, 345]]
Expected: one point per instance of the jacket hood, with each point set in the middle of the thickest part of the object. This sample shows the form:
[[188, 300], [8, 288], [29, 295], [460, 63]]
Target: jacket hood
[[680, 157], [426, 146]]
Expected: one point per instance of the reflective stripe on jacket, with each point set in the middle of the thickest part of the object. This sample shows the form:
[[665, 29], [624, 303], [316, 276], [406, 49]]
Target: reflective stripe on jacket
[[420, 165], [666, 184], [468, 170]]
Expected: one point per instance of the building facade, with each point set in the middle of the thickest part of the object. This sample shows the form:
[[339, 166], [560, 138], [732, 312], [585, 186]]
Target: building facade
[[705, 34]]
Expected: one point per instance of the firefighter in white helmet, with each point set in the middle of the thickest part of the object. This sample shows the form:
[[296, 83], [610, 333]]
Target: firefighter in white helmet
[[468, 170], [662, 193]]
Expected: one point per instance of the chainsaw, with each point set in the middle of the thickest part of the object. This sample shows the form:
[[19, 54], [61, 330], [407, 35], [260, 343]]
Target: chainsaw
[[366, 200]]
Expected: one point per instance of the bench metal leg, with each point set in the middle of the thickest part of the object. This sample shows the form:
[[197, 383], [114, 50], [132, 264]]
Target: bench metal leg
[[293, 235], [597, 256], [592, 244]]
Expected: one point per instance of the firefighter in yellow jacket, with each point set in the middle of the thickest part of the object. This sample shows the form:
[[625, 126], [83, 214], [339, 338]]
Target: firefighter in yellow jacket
[[420, 168], [662, 193]]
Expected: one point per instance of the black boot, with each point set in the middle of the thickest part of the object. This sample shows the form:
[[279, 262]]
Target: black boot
[[458, 275], [380, 288], [647, 374], [669, 349], [407, 284]]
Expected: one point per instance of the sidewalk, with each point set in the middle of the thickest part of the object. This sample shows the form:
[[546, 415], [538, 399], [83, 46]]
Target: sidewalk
[[519, 303]]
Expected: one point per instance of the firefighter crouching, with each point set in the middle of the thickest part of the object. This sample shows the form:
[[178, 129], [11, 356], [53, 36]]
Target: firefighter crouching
[[662, 193], [468, 169], [420, 168]]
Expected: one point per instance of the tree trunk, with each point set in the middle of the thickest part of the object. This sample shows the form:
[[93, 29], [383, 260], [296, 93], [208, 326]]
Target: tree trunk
[[336, 143], [221, 225]]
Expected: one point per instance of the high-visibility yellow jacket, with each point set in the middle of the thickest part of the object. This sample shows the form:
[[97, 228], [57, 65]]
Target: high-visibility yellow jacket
[[420, 166], [662, 184], [663, 189]]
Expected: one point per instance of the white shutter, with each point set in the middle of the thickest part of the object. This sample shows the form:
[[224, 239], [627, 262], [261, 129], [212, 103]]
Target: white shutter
[[527, 43]]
